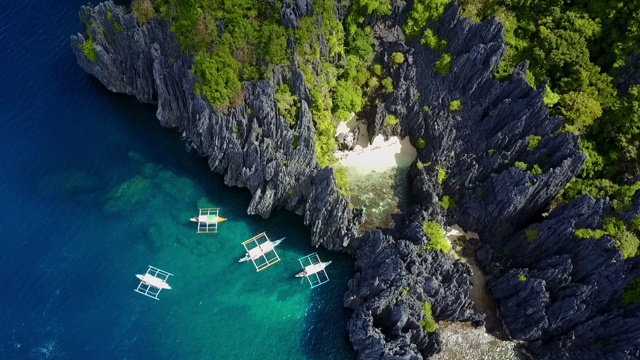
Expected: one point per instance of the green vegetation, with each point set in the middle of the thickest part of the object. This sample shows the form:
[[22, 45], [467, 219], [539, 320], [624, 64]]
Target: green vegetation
[[88, 49], [428, 323], [626, 241], [423, 11], [580, 46], [443, 65], [448, 203], [522, 165], [144, 10], [589, 233], [522, 277], [491, 151], [535, 170], [430, 39], [287, 103], [425, 108], [397, 58], [531, 233], [442, 175], [420, 143], [377, 69], [342, 179], [437, 240], [387, 85], [455, 105], [631, 294], [217, 75], [391, 120], [534, 141], [118, 27], [347, 100], [419, 165]]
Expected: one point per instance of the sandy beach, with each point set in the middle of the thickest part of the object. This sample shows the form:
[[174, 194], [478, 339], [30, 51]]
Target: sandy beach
[[378, 156]]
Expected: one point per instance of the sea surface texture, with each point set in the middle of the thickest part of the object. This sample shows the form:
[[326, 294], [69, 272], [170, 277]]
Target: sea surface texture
[[92, 190]]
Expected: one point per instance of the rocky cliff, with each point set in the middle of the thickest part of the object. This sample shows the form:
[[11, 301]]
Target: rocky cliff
[[491, 164], [563, 293], [253, 146]]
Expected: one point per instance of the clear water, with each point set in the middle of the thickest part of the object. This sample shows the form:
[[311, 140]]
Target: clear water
[[380, 194], [92, 191]]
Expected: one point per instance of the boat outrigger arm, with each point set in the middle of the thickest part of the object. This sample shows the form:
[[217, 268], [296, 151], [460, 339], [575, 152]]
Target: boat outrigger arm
[[258, 251]]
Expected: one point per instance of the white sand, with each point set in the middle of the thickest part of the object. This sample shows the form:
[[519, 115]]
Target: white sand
[[379, 156]]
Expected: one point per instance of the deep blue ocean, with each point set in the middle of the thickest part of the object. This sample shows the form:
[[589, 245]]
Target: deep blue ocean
[[92, 190]]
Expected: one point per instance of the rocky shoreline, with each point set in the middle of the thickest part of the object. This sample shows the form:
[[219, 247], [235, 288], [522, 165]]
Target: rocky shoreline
[[472, 155]]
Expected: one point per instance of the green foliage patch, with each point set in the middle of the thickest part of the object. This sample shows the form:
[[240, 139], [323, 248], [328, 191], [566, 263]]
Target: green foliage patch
[[437, 239], [448, 203], [430, 39], [287, 103], [443, 64], [88, 49], [423, 11], [397, 58], [442, 174], [144, 10], [428, 323], [342, 180], [387, 85], [631, 294], [391, 120], [626, 241], [455, 105], [534, 141]]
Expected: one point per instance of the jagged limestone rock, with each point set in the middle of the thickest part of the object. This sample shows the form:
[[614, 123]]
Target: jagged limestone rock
[[251, 145]]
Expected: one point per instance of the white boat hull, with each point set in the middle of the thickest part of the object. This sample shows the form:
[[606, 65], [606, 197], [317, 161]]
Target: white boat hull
[[153, 281]]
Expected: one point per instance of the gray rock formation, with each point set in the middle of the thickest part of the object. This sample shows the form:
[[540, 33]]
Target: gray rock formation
[[252, 145], [394, 278], [563, 293]]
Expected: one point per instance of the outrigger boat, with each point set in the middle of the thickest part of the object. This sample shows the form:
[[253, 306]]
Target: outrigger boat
[[208, 220], [313, 269], [152, 282], [259, 250]]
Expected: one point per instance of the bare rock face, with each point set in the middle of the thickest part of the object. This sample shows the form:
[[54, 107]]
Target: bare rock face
[[252, 145], [562, 293], [395, 276]]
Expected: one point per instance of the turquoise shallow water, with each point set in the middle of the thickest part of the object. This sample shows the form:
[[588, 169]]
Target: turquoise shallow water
[[92, 191]]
